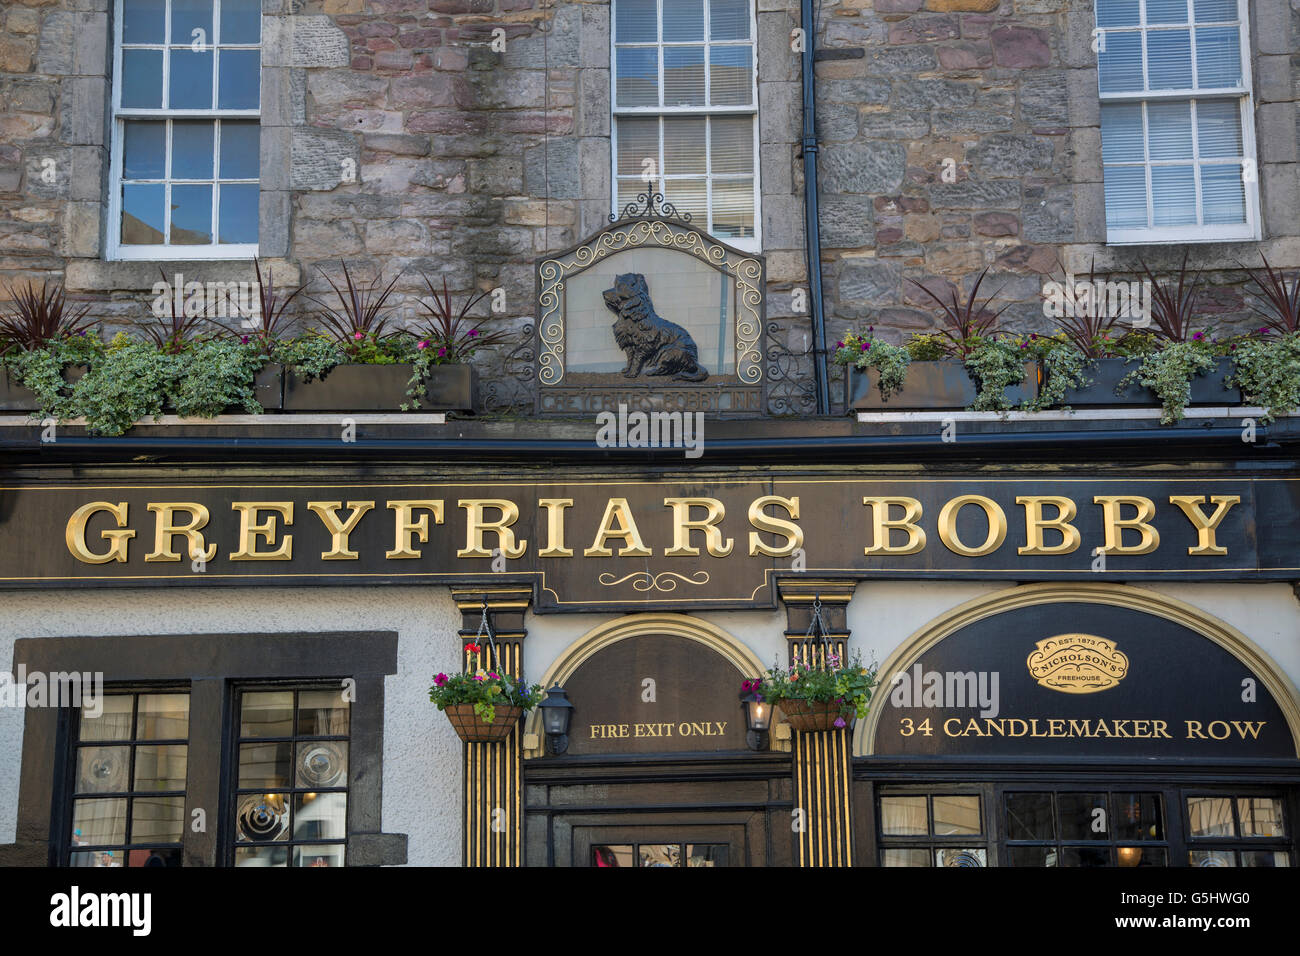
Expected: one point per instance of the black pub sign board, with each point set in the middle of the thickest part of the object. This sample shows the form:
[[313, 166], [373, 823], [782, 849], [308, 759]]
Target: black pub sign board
[[702, 541], [1088, 680]]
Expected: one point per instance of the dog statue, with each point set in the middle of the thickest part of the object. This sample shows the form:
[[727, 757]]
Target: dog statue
[[653, 345]]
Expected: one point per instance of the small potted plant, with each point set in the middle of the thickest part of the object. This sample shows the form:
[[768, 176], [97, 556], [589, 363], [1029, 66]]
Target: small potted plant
[[818, 698], [448, 339], [264, 333], [43, 347], [483, 706], [1266, 363]]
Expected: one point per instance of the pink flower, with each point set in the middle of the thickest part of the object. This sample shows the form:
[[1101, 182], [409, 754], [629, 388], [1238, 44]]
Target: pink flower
[[839, 721], [423, 345], [839, 345], [493, 676], [473, 332], [1198, 336], [478, 676], [440, 680], [865, 346], [243, 340], [442, 351], [358, 336]]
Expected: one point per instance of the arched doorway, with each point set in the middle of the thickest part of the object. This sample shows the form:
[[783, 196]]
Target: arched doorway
[[1081, 725]]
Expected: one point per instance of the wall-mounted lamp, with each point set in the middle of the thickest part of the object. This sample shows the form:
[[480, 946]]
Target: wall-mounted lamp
[[758, 718], [557, 711]]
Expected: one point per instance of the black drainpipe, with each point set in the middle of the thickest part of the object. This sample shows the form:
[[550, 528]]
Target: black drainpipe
[[811, 219]]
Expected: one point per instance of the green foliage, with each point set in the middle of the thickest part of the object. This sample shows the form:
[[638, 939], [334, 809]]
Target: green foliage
[[864, 351], [1267, 369], [310, 355], [129, 382], [1065, 367], [928, 347], [486, 690], [848, 684], [226, 380], [995, 364], [1169, 372], [42, 369]]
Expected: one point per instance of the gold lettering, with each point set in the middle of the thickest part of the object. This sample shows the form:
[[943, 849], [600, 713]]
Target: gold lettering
[[75, 534], [250, 532], [1159, 729], [633, 546], [792, 533], [683, 525], [1115, 526], [166, 528], [1194, 729], [1036, 524], [997, 523], [405, 527], [339, 530], [555, 508], [882, 525], [948, 732], [476, 526], [1205, 527]]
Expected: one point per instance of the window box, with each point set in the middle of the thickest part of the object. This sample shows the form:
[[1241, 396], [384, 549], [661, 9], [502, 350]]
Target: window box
[[15, 398], [929, 385], [1209, 389], [1107, 373], [353, 387]]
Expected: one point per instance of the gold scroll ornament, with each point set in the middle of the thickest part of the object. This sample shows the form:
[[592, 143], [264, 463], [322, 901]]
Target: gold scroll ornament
[[1077, 663]]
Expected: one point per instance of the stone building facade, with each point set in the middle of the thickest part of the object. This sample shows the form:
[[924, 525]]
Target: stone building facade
[[465, 139]]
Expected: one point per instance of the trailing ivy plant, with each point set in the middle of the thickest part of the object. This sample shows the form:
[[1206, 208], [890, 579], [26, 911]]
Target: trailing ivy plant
[[43, 369], [864, 351], [214, 375], [129, 382], [994, 364], [1169, 370], [1065, 367], [1266, 368]]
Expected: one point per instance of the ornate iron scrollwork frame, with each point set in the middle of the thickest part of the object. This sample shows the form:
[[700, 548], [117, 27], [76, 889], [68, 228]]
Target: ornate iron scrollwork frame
[[654, 226]]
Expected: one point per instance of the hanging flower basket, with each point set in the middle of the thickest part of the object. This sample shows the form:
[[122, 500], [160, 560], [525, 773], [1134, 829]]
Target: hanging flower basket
[[473, 729], [808, 715]]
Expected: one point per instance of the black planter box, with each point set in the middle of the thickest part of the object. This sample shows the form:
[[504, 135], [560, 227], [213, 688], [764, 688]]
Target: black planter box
[[944, 385], [1208, 389], [268, 386], [1106, 374], [361, 388], [15, 398]]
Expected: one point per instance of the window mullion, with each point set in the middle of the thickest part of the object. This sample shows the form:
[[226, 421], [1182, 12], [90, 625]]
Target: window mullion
[[165, 100], [167, 186], [203, 773], [1146, 164]]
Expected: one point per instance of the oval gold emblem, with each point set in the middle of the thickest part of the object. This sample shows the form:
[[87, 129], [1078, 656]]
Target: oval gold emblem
[[1077, 663]]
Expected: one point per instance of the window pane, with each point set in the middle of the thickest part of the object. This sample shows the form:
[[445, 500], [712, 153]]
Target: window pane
[[629, 189], [103, 769], [733, 144], [266, 714], [684, 145], [239, 150], [1119, 66], [144, 154], [1210, 816], [322, 713], [684, 76], [1138, 816], [142, 21], [1265, 858], [729, 19], [322, 763], [157, 819], [916, 857], [1029, 816], [1169, 128], [1090, 856], [98, 822], [190, 85], [163, 717], [733, 208], [1121, 133], [1218, 57], [113, 721], [191, 215], [1223, 196], [160, 768], [683, 20], [192, 148], [190, 15], [1032, 855], [262, 856], [262, 817], [638, 141], [1218, 125], [1260, 816], [329, 855], [97, 858], [1083, 816], [1128, 856], [264, 765], [241, 21], [320, 816], [638, 76], [1211, 858], [706, 854], [903, 816], [142, 215], [1169, 59], [1166, 11], [960, 856], [957, 814], [688, 195], [238, 216], [1117, 13], [611, 855], [730, 75], [142, 79], [155, 857], [239, 87], [1126, 197], [1173, 196], [635, 21], [1209, 11], [660, 854]]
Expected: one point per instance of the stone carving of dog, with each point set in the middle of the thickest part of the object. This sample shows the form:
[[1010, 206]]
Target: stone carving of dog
[[654, 346]]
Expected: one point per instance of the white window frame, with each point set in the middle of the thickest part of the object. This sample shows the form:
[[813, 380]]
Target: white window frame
[[116, 249], [1250, 229], [754, 244]]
